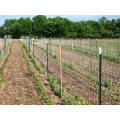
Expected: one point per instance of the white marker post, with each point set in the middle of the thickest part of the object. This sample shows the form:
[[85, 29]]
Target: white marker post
[[100, 64]]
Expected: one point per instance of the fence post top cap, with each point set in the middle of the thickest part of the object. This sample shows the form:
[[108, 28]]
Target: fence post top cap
[[100, 50]]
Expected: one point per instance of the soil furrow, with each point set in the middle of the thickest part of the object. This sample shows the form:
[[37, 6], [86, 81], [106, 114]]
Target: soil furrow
[[19, 86]]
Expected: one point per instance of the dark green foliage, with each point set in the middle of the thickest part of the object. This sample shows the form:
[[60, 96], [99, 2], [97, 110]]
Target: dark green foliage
[[61, 27], [39, 23], [2, 31]]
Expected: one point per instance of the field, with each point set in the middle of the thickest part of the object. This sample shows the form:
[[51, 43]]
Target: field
[[33, 73]]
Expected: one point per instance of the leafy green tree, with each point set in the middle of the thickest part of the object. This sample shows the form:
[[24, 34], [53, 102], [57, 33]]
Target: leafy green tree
[[39, 22], [7, 25], [15, 30], [25, 26], [2, 31], [61, 27]]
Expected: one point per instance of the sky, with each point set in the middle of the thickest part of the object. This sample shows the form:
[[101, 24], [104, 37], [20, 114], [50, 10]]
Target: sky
[[70, 17]]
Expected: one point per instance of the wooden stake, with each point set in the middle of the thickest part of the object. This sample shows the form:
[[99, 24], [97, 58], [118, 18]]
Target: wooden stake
[[105, 47], [72, 54], [60, 67], [40, 45]]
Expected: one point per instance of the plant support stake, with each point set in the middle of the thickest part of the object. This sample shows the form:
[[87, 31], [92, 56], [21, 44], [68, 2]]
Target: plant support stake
[[100, 66], [96, 47], [29, 43], [33, 48], [60, 67], [47, 59]]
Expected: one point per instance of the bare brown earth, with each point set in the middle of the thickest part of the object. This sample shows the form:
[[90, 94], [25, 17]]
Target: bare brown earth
[[76, 86], [110, 70], [44, 82], [19, 86]]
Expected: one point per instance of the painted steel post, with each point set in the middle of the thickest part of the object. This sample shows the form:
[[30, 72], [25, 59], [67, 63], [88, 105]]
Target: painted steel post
[[47, 59], [29, 43], [26, 41], [5, 44], [100, 70], [33, 49]]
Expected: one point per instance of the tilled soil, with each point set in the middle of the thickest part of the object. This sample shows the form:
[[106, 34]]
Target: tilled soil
[[76, 86], [19, 86], [110, 70], [44, 82]]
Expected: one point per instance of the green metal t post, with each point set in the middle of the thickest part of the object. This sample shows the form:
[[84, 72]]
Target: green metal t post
[[29, 43], [47, 59], [100, 66], [26, 42], [5, 44], [33, 48]]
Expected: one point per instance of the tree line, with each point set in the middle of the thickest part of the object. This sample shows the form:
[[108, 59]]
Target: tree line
[[59, 27]]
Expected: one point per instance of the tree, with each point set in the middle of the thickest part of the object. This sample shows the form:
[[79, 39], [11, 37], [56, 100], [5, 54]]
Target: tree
[[7, 25], [25, 26], [15, 30], [39, 22], [2, 31]]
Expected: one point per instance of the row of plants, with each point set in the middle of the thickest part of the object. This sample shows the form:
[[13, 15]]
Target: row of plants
[[5, 51], [67, 99], [67, 65], [4, 64], [37, 82], [103, 90], [92, 53], [40, 69], [91, 77], [106, 83]]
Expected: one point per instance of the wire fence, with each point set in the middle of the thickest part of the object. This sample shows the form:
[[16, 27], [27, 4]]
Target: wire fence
[[74, 63], [4, 44]]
